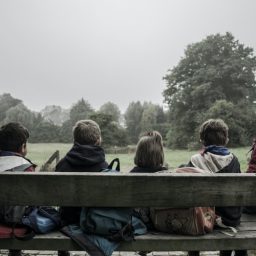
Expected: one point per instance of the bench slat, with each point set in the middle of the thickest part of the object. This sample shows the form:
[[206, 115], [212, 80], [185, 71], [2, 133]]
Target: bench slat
[[124, 190], [160, 242]]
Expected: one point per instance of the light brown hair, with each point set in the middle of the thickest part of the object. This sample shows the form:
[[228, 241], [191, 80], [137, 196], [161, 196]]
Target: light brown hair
[[150, 152], [87, 132], [214, 132]]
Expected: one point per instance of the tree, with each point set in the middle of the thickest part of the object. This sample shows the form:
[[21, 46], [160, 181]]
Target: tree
[[7, 102], [55, 114], [217, 68], [112, 109], [149, 116], [44, 132], [240, 118], [20, 113], [133, 117], [81, 110], [112, 133]]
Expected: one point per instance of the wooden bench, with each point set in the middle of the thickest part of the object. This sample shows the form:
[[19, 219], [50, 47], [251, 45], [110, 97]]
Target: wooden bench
[[131, 190]]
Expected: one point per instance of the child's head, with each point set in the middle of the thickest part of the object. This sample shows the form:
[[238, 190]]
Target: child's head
[[13, 137], [87, 132], [149, 152], [214, 132]]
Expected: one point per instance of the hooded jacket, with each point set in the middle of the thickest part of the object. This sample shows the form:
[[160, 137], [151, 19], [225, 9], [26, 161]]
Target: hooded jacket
[[220, 164], [11, 161], [80, 158], [83, 158]]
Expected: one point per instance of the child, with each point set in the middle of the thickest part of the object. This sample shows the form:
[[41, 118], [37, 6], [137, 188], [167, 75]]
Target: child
[[149, 156], [13, 148], [86, 155], [216, 158]]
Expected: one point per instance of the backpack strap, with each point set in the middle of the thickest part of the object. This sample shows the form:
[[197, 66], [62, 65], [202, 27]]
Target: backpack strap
[[50, 213], [230, 231], [124, 234], [82, 241], [117, 161]]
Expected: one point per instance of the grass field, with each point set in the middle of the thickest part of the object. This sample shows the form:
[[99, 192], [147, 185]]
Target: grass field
[[40, 152]]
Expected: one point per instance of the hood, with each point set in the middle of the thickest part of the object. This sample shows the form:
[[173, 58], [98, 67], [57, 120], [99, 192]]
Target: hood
[[13, 163], [213, 163], [85, 155]]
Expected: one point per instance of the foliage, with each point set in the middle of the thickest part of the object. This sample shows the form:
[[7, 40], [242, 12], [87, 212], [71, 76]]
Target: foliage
[[112, 133], [21, 114], [217, 68], [144, 117], [66, 132], [7, 102], [81, 110], [112, 109], [240, 118], [133, 117], [45, 131], [55, 114]]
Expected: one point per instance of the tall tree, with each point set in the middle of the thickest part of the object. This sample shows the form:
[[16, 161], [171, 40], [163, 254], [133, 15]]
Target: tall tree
[[112, 109], [6, 102], [133, 117], [21, 114], [217, 68], [112, 133], [81, 110]]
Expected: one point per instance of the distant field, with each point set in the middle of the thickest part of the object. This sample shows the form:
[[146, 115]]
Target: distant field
[[40, 152]]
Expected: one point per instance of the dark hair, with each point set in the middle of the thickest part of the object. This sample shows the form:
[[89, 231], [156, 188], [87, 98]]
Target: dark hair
[[13, 136], [214, 132], [149, 151]]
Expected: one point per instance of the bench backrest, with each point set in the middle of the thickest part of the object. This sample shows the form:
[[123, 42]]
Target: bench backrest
[[123, 190]]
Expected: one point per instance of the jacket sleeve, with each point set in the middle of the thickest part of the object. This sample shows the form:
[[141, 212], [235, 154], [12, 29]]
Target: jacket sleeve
[[230, 215]]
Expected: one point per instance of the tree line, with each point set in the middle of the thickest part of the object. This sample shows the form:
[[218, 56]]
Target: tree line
[[214, 79], [117, 130]]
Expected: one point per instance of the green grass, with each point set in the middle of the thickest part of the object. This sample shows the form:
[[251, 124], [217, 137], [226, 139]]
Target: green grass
[[40, 152]]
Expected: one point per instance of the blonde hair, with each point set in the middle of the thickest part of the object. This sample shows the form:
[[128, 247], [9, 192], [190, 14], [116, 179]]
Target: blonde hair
[[149, 151], [87, 132], [214, 132]]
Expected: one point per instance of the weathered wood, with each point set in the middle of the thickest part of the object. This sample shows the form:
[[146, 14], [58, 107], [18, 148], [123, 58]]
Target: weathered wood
[[46, 166], [150, 242], [108, 189]]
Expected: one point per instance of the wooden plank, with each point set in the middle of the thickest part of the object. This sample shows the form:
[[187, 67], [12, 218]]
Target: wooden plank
[[124, 190], [161, 242]]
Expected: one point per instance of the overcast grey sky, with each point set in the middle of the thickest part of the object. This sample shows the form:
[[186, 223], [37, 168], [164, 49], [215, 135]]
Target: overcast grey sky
[[58, 51]]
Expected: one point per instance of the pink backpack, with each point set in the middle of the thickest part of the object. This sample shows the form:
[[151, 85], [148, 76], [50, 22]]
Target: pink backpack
[[184, 221]]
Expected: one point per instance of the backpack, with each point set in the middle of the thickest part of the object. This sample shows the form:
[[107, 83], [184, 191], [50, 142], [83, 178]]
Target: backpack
[[42, 220], [11, 215], [111, 168], [185, 221], [252, 162], [251, 169], [113, 223], [11, 223]]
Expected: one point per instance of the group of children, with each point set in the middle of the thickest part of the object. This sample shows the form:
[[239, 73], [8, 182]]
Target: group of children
[[87, 155]]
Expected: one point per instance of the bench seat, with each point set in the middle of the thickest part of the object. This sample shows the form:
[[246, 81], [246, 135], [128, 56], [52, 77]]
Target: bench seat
[[245, 239]]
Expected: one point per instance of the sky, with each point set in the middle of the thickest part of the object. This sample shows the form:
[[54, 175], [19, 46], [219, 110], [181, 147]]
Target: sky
[[55, 52]]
